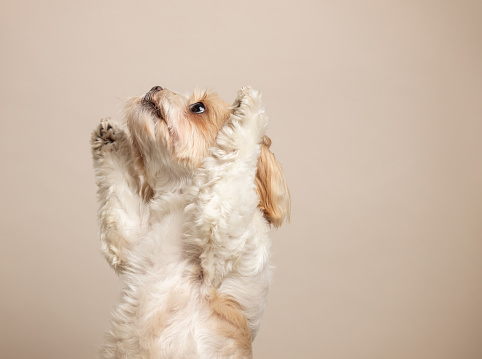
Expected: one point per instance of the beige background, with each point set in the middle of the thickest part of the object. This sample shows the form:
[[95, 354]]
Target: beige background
[[376, 116]]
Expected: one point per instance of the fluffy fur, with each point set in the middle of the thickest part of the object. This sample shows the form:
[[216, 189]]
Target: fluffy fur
[[186, 200]]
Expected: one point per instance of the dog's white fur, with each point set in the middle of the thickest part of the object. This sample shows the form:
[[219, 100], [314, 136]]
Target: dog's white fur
[[187, 237]]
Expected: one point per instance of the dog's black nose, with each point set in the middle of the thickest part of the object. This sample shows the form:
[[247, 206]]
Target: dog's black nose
[[156, 89]]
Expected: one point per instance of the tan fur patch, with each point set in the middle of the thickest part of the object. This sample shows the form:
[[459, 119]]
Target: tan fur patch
[[231, 323], [138, 156], [274, 195]]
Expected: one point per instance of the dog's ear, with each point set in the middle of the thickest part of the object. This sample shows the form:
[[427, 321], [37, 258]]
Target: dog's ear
[[274, 195], [146, 190]]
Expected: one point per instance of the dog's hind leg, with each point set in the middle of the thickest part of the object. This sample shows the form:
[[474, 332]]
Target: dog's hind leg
[[122, 212]]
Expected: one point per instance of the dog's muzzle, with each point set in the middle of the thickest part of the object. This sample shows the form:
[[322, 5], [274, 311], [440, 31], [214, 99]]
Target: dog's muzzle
[[151, 101], [149, 96]]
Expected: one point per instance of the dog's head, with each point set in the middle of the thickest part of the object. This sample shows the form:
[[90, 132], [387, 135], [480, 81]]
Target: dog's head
[[171, 135]]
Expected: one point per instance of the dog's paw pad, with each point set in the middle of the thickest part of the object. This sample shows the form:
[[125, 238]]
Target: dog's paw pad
[[105, 135]]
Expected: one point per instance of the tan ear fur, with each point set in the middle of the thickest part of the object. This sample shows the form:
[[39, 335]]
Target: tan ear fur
[[274, 195], [146, 191]]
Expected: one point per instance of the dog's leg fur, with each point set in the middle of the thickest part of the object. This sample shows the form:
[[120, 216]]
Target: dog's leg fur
[[121, 209], [226, 229]]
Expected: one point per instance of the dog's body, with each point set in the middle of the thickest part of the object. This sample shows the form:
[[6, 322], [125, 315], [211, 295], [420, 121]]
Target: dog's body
[[186, 227]]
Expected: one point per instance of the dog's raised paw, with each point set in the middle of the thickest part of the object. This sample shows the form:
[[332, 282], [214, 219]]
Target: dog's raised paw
[[247, 96], [106, 136], [249, 113]]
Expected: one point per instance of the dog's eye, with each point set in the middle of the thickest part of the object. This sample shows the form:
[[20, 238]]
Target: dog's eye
[[198, 107]]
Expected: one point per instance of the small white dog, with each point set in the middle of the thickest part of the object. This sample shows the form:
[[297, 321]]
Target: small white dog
[[186, 199]]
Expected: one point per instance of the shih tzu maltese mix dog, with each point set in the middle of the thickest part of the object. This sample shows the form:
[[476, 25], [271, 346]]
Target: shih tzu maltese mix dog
[[187, 191]]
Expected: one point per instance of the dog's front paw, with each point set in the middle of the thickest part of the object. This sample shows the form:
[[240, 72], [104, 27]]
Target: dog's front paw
[[107, 136], [248, 99], [249, 114]]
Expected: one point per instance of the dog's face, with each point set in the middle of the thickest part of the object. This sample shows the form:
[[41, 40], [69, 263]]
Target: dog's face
[[171, 135], [176, 129]]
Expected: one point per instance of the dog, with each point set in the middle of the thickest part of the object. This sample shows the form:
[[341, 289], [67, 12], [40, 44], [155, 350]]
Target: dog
[[188, 189]]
